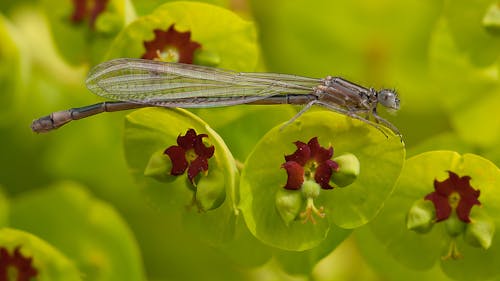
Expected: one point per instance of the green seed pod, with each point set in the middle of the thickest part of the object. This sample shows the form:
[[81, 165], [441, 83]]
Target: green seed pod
[[491, 20], [348, 170], [310, 189], [421, 217], [159, 167], [454, 226], [211, 191], [479, 232], [288, 204]]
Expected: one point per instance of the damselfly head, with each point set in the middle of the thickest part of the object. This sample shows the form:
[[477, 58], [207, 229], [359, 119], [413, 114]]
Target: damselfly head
[[388, 98]]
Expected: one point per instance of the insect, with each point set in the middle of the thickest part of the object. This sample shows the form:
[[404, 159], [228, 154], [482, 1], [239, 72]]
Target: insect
[[136, 83]]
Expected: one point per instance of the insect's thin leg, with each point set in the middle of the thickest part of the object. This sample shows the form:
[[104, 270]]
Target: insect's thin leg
[[352, 115], [302, 111], [387, 124]]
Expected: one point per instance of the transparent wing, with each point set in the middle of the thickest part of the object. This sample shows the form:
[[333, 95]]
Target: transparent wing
[[186, 85]]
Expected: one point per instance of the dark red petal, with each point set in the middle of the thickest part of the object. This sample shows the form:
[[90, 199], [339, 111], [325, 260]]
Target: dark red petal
[[332, 164], [468, 197], [463, 210], [301, 155], [88, 9], [324, 172], [200, 149], [197, 166], [187, 141], [319, 153], [466, 191], [97, 9], [181, 41], [177, 155], [295, 173], [23, 265], [441, 204], [445, 187], [80, 10]]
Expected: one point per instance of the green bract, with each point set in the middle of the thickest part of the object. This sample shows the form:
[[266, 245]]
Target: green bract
[[491, 19], [11, 68], [294, 262], [465, 119], [386, 265], [216, 29], [80, 41], [380, 157], [251, 121], [481, 46], [49, 263], [4, 209], [423, 251], [150, 130], [85, 229], [145, 7]]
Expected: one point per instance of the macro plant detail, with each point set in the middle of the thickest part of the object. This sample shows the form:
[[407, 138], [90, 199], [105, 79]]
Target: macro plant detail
[[443, 211], [14, 266], [452, 202], [190, 154], [310, 162], [309, 169], [315, 177], [303, 180], [454, 195], [171, 46], [88, 10]]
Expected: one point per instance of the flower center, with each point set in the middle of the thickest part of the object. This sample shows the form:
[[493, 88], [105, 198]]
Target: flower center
[[12, 273], [453, 200], [310, 169], [168, 54], [191, 155]]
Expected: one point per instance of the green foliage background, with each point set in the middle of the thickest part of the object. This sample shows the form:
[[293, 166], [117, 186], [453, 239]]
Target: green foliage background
[[441, 56]]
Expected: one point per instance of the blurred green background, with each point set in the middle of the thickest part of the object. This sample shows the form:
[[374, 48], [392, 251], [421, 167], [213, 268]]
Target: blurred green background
[[442, 57]]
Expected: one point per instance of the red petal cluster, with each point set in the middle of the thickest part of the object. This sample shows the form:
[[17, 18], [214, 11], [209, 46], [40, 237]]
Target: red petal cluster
[[25, 270], [171, 38], [454, 184], [189, 142], [84, 9], [297, 163]]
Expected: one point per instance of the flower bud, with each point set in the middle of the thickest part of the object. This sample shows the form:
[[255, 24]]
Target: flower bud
[[421, 217], [348, 170], [288, 204], [211, 191], [159, 167], [310, 189], [479, 232], [454, 226]]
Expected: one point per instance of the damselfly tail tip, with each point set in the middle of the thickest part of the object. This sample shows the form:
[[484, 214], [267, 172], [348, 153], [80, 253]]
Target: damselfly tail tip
[[43, 125]]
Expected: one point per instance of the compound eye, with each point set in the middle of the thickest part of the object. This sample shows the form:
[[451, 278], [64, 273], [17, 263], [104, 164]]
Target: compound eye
[[388, 98]]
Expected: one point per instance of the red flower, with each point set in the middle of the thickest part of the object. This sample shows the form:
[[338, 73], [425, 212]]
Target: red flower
[[310, 160], [190, 154], [83, 9], [24, 269], [176, 46], [454, 193]]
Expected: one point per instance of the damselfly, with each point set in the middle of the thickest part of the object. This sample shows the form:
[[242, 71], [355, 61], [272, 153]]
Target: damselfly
[[135, 83]]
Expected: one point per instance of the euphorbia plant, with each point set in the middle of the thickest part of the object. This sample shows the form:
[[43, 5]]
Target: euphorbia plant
[[169, 33], [444, 209], [278, 194], [25, 257], [181, 162]]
